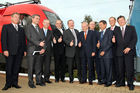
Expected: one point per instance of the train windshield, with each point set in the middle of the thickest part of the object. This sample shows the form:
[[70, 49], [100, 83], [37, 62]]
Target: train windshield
[[52, 17]]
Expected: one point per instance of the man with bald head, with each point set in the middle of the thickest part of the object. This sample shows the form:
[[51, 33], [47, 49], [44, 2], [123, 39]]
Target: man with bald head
[[95, 58], [87, 51]]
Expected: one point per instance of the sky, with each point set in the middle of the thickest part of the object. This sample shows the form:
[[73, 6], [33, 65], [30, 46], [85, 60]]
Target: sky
[[77, 9]]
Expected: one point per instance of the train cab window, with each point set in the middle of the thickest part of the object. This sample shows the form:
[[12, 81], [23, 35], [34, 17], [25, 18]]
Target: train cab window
[[52, 17]]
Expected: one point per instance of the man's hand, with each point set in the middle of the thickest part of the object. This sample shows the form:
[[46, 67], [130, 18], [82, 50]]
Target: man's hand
[[93, 54], [25, 53], [102, 53], [6, 53], [42, 51], [113, 39], [71, 43], [98, 44], [80, 44], [60, 39], [54, 40], [42, 44], [126, 51]]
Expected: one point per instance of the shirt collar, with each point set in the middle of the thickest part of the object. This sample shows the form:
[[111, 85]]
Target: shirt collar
[[14, 24], [113, 27], [103, 30], [34, 25], [123, 27], [45, 29], [86, 32]]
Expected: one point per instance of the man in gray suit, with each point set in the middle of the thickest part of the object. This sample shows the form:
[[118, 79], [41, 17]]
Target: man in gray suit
[[35, 42], [72, 51]]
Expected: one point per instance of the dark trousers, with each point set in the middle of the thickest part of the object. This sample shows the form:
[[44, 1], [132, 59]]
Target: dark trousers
[[34, 64], [70, 62], [13, 63], [106, 70], [59, 66], [98, 68], [125, 64], [45, 66], [93, 65], [87, 61], [114, 69]]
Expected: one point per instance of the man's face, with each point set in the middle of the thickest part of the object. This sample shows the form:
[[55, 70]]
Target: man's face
[[71, 24], [58, 24], [84, 26], [36, 20], [112, 22], [46, 24], [15, 18], [92, 25], [102, 26], [121, 21]]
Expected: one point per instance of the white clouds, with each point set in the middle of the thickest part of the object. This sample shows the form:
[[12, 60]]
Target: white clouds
[[77, 9]]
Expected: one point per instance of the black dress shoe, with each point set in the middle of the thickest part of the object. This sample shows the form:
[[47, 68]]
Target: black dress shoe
[[56, 81], [41, 84], [90, 83], [48, 81], [16, 86], [119, 85], [32, 86], [100, 83], [131, 87], [63, 80], [107, 85], [71, 81], [6, 88]]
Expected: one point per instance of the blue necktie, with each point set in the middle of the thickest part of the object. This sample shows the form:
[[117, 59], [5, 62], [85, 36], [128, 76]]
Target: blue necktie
[[101, 37], [45, 31]]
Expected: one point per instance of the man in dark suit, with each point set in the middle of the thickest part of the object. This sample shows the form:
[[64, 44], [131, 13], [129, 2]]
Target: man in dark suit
[[113, 28], [87, 44], [125, 39], [35, 42], [59, 52], [95, 59], [72, 51], [105, 53], [46, 57], [13, 47]]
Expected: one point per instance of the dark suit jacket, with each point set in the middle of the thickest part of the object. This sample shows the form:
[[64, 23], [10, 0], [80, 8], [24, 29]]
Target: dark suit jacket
[[12, 40], [48, 42], [114, 44], [88, 45], [68, 37], [129, 40], [33, 39], [59, 48], [106, 44]]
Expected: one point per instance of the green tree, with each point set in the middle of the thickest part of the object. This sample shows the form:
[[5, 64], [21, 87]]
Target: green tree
[[88, 19]]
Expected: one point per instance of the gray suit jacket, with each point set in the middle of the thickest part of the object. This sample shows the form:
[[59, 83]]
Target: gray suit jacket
[[68, 37], [33, 38]]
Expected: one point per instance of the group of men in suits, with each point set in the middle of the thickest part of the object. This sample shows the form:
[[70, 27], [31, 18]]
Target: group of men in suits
[[111, 51]]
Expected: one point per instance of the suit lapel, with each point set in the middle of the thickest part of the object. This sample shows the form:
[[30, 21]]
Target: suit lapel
[[12, 27], [126, 31], [71, 33], [38, 33]]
